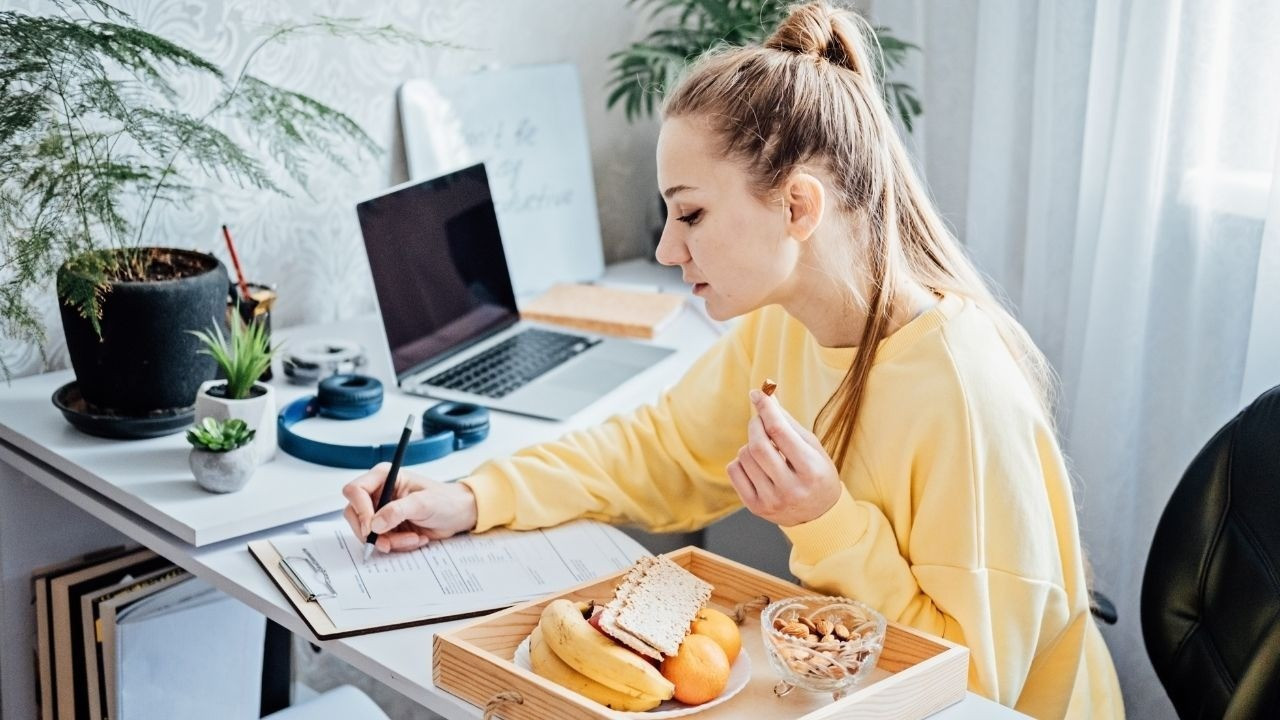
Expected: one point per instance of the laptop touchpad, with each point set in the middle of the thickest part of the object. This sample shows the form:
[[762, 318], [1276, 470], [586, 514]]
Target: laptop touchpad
[[590, 374]]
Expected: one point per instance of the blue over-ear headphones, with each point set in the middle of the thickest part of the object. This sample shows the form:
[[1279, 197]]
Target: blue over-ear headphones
[[446, 426]]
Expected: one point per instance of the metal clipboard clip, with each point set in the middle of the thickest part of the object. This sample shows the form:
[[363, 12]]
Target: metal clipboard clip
[[308, 577]]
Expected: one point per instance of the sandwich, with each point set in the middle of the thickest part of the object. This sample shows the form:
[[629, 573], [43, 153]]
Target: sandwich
[[653, 607]]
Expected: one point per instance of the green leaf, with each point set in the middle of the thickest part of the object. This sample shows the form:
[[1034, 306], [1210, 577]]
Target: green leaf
[[242, 357], [220, 435], [90, 122], [689, 28]]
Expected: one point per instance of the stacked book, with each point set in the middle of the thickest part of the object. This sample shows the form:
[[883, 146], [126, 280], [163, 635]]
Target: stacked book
[[123, 633]]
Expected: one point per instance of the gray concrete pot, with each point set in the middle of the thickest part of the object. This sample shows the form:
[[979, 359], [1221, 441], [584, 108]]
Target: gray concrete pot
[[223, 472], [258, 411]]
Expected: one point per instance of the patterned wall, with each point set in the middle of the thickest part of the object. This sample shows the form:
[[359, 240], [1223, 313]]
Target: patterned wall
[[310, 246]]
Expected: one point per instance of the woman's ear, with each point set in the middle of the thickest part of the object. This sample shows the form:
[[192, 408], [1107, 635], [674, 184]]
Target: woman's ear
[[804, 199]]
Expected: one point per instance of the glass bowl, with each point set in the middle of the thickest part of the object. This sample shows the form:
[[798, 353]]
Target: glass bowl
[[821, 643]]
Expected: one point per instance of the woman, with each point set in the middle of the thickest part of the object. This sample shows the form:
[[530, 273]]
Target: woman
[[931, 487]]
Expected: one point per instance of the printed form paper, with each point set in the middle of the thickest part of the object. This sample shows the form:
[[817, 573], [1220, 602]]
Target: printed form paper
[[460, 574]]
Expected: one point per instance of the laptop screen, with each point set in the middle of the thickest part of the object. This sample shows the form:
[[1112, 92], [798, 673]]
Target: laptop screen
[[438, 267]]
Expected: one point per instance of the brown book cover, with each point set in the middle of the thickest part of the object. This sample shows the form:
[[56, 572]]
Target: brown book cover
[[605, 310]]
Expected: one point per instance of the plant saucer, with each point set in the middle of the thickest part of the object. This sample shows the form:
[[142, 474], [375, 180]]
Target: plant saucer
[[107, 423]]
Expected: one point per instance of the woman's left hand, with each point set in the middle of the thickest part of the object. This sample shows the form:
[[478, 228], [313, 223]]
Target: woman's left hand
[[783, 474]]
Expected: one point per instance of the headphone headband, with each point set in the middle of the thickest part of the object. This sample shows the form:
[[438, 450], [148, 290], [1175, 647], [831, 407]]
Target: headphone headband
[[446, 426]]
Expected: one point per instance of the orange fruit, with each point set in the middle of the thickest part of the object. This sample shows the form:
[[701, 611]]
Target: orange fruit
[[699, 670], [721, 628]]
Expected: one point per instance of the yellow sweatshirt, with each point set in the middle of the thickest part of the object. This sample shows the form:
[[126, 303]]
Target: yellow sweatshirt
[[957, 516]]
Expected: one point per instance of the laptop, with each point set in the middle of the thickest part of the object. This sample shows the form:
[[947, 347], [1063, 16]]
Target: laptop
[[444, 291]]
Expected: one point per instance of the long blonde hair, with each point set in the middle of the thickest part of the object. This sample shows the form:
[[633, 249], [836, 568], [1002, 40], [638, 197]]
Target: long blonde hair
[[809, 95]]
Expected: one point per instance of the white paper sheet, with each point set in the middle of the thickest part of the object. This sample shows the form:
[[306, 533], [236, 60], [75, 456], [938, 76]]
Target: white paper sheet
[[188, 651], [466, 573]]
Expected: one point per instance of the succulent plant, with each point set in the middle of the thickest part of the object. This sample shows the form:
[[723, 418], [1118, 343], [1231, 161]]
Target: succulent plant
[[220, 435]]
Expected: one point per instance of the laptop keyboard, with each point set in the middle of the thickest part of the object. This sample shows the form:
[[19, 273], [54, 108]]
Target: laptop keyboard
[[512, 363]]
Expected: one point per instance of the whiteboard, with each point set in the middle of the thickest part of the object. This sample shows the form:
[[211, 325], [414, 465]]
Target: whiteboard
[[526, 125]]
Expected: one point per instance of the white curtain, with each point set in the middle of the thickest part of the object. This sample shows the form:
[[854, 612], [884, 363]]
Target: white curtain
[[1118, 176]]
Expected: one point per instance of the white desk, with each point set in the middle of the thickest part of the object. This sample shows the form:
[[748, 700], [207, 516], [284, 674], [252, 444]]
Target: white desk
[[62, 492]]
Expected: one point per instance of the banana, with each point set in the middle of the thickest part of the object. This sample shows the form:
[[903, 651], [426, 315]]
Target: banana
[[549, 665], [589, 652]]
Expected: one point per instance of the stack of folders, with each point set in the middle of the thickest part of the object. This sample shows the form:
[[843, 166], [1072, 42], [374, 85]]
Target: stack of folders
[[123, 633]]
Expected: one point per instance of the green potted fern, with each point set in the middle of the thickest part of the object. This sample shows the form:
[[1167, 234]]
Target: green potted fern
[[688, 28], [221, 457], [242, 356], [93, 139]]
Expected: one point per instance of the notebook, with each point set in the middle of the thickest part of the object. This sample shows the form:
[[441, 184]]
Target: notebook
[[606, 310], [452, 325], [92, 629], [214, 673], [337, 593]]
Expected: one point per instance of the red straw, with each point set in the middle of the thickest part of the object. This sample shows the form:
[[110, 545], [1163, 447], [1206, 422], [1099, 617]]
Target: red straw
[[235, 261]]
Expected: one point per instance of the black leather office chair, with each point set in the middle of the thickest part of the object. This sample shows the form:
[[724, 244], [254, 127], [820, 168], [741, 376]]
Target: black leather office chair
[[1211, 591]]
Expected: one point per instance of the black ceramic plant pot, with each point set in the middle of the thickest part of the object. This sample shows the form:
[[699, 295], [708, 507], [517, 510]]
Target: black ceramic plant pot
[[146, 360]]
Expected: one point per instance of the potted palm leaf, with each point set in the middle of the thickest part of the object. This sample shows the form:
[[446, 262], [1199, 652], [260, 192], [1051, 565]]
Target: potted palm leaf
[[92, 141], [221, 457], [242, 357]]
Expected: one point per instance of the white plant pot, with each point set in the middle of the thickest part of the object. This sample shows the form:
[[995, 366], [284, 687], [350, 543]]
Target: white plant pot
[[223, 472], [258, 412]]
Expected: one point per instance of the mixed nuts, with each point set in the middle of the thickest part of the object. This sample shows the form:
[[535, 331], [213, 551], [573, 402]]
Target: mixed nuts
[[829, 647]]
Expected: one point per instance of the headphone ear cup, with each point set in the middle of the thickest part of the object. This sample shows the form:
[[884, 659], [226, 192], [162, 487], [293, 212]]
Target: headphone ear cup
[[469, 423], [346, 397], [446, 426]]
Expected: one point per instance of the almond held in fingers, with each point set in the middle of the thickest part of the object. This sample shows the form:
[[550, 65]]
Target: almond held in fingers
[[768, 386]]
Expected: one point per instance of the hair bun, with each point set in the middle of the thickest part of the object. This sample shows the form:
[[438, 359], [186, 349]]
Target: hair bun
[[822, 31]]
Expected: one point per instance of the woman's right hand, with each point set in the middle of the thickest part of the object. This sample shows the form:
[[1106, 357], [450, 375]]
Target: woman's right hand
[[422, 510]]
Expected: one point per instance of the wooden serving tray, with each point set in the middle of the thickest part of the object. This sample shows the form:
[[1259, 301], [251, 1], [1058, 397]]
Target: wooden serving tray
[[917, 675]]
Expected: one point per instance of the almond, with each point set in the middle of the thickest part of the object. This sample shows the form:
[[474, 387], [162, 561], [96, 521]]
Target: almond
[[795, 630]]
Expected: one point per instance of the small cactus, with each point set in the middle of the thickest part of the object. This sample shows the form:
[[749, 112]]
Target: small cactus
[[220, 435]]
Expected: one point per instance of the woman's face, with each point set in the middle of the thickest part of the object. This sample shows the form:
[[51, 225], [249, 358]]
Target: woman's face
[[732, 246]]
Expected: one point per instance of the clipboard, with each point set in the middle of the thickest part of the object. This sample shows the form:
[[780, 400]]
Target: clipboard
[[297, 580]]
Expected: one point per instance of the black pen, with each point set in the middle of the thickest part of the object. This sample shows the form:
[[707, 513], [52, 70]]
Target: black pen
[[389, 485]]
